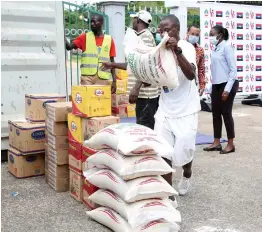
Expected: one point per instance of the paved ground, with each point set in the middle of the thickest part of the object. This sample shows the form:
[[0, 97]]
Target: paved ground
[[225, 197]]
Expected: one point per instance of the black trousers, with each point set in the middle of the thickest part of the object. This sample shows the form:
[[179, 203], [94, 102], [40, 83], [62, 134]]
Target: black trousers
[[223, 109], [145, 111]]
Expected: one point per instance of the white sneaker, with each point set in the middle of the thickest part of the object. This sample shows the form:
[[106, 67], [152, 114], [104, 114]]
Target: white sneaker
[[183, 186]]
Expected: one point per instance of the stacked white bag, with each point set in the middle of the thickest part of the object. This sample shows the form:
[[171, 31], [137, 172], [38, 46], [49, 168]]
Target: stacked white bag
[[153, 65], [133, 196]]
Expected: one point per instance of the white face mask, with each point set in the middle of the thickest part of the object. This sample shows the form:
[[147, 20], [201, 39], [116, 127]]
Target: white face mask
[[193, 39], [213, 40]]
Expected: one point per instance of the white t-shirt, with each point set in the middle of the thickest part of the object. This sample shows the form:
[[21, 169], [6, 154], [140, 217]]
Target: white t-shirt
[[183, 100]]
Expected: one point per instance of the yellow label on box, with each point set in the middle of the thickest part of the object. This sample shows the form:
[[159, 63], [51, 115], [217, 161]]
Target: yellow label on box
[[131, 111], [76, 128], [122, 74], [121, 86], [91, 100]]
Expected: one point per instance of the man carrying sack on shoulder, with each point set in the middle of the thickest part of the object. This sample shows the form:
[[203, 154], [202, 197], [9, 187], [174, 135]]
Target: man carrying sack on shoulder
[[97, 48]]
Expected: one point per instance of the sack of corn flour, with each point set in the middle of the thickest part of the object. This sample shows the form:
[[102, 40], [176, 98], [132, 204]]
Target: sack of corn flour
[[132, 190], [115, 222], [154, 65], [130, 167], [130, 139], [137, 213]]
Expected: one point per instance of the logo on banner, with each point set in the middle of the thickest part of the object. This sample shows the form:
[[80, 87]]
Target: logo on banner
[[206, 58], [240, 58], [227, 14], [239, 25], [258, 78], [206, 46], [258, 68], [252, 26], [258, 88], [206, 12], [252, 57], [232, 25], [240, 68], [211, 22], [239, 15], [219, 13], [252, 67], [258, 57], [258, 47], [247, 88], [252, 35], [247, 36], [247, 57], [240, 89], [252, 88], [219, 23], [252, 14], [252, 46], [211, 11], [206, 35], [247, 78], [240, 79], [232, 14], [251, 77], [258, 37], [206, 68], [247, 47], [239, 36], [258, 26], [247, 15], [206, 24], [240, 47], [233, 36], [227, 25], [258, 16], [233, 46], [247, 68], [247, 25]]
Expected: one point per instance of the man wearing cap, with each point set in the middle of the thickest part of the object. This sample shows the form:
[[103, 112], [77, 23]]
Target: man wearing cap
[[96, 49], [145, 97]]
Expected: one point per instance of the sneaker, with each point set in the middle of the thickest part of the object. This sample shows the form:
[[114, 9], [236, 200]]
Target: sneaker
[[183, 186]]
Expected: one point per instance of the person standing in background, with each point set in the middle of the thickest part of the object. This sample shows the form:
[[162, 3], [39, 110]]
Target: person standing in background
[[96, 48], [224, 88], [145, 96], [193, 34]]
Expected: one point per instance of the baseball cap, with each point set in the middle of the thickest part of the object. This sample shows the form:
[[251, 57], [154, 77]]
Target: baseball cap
[[144, 15]]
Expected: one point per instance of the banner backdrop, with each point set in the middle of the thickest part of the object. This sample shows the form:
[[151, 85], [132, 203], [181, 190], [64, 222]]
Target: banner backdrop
[[245, 35]]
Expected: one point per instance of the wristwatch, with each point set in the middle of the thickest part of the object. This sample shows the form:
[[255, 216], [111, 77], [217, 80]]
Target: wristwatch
[[179, 51]]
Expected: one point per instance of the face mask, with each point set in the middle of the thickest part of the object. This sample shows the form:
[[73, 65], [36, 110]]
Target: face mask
[[193, 39], [213, 40], [158, 38]]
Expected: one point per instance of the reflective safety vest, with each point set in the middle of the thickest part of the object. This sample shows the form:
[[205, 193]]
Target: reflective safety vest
[[91, 60]]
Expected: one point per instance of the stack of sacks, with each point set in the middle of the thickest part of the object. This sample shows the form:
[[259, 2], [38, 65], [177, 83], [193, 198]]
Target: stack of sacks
[[57, 171], [91, 112], [133, 196]]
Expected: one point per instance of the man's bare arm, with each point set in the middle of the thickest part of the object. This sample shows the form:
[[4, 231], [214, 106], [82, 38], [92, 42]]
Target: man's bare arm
[[70, 46], [187, 68]]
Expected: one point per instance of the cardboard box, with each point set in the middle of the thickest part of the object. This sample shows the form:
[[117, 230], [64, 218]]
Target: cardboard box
[[60, 157], [120, 111], [86, 152], [77, 128], [131, 111], [122, 74], [91, 100], [88, 190], [22, 166], [98, 123], [57, 170], [56, 128], [35, 105], [59, 184], [120, 100], [75, 156], [76, 186], [59, 142], [57, 112], [121, 86], [26, 137]]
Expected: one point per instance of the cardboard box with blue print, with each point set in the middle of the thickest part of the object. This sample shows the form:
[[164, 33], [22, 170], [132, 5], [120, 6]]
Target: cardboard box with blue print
[[57, 112], [35, 105], [22, 166], [26, 137]]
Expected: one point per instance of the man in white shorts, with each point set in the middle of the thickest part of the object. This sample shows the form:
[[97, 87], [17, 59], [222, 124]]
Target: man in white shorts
[[177, 115]]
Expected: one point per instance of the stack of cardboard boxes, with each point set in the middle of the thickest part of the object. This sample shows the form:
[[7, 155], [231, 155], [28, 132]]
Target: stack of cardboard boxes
[[91, 112], [57, 170], [26, 155], [120, 100]]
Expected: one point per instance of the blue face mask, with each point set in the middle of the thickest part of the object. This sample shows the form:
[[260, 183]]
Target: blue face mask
[[158, 38], [193, 39]]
